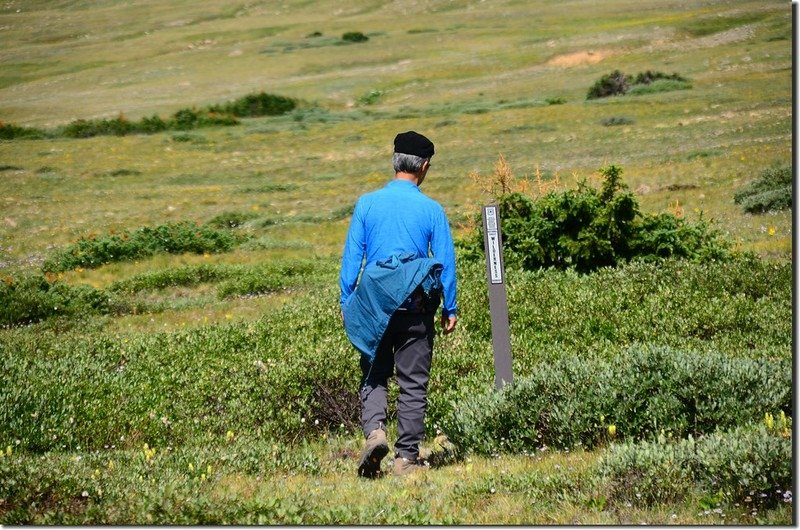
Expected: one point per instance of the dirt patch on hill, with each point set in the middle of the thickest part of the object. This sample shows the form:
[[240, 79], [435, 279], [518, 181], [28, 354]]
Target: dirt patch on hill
[[568, 60]]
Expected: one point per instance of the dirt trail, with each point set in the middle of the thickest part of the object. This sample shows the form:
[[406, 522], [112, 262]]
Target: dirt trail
[[569, 60]]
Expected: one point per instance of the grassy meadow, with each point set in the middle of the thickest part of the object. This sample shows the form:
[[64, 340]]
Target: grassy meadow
[[217, 386]]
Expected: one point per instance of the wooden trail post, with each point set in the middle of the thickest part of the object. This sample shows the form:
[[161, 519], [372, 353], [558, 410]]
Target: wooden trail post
[[498, 303]]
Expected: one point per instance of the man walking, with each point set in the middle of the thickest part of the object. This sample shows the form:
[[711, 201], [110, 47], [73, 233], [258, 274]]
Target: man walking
[[404, 241]]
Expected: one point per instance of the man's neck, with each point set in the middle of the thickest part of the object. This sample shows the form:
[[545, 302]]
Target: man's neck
[[410, 177]]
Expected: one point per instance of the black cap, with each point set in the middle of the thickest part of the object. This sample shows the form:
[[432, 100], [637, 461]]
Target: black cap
[[413, 143]]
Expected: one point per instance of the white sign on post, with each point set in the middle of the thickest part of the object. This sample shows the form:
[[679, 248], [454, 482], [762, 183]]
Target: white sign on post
[[495, 268]]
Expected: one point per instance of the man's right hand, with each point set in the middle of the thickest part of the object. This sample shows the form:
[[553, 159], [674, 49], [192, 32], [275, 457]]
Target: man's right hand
[[449, 324]]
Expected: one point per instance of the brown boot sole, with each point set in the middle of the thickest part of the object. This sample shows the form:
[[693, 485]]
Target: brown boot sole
[[370, 464]]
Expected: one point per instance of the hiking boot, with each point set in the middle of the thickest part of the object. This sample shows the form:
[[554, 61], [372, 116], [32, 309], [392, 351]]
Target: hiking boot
[[404, 466], [375, 449]]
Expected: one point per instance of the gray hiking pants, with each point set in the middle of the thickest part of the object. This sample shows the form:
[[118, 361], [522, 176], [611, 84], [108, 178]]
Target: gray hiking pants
[[407, 347]]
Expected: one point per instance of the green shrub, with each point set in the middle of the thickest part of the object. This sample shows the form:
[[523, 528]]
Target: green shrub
[[260, 104], [186, 119], [747, 461], [647, 77], [354, 36], [172, 238], [771, 191], [614, 84], [186, 276], [586, 229], [642, 392], [119, 126], [152, 125], [617, 84], [9, 131], [31, 298]]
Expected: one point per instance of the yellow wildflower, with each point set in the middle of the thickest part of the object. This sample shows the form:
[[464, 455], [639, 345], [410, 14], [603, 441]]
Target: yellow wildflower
[[612, 430], [191, 467], [768, 419], [229, 435], [771, 230], [8, 450]]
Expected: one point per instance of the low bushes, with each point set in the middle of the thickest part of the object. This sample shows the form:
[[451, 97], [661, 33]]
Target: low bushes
[[227, 114], [182, 120], [771, 191], [617, 84], [294, 367], [642, 392], [354, 36], [750, 464], [260, 104], [9, 131], [173, 238], [32, 298]]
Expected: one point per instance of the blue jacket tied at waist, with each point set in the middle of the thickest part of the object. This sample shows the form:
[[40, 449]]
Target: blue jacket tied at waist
[[384, 286]]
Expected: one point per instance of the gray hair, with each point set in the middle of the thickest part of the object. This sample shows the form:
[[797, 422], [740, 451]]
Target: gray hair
[[404, 163]]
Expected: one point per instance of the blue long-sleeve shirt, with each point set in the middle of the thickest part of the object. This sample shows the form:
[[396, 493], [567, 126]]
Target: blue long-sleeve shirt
[[395, 219]]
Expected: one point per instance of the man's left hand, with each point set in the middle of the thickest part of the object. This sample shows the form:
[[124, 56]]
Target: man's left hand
[[448, 324]]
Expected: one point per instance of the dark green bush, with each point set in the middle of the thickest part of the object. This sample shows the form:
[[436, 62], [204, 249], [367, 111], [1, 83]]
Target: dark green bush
[[614, 84], [617, 84], [771, 191], [261, 104], [152, 125], [172, 238], [748, 461], [118, 126], [31, 298], [354, 36], [643, 392], [186, 119], [9, 131], [586, 229], [647, 77]]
